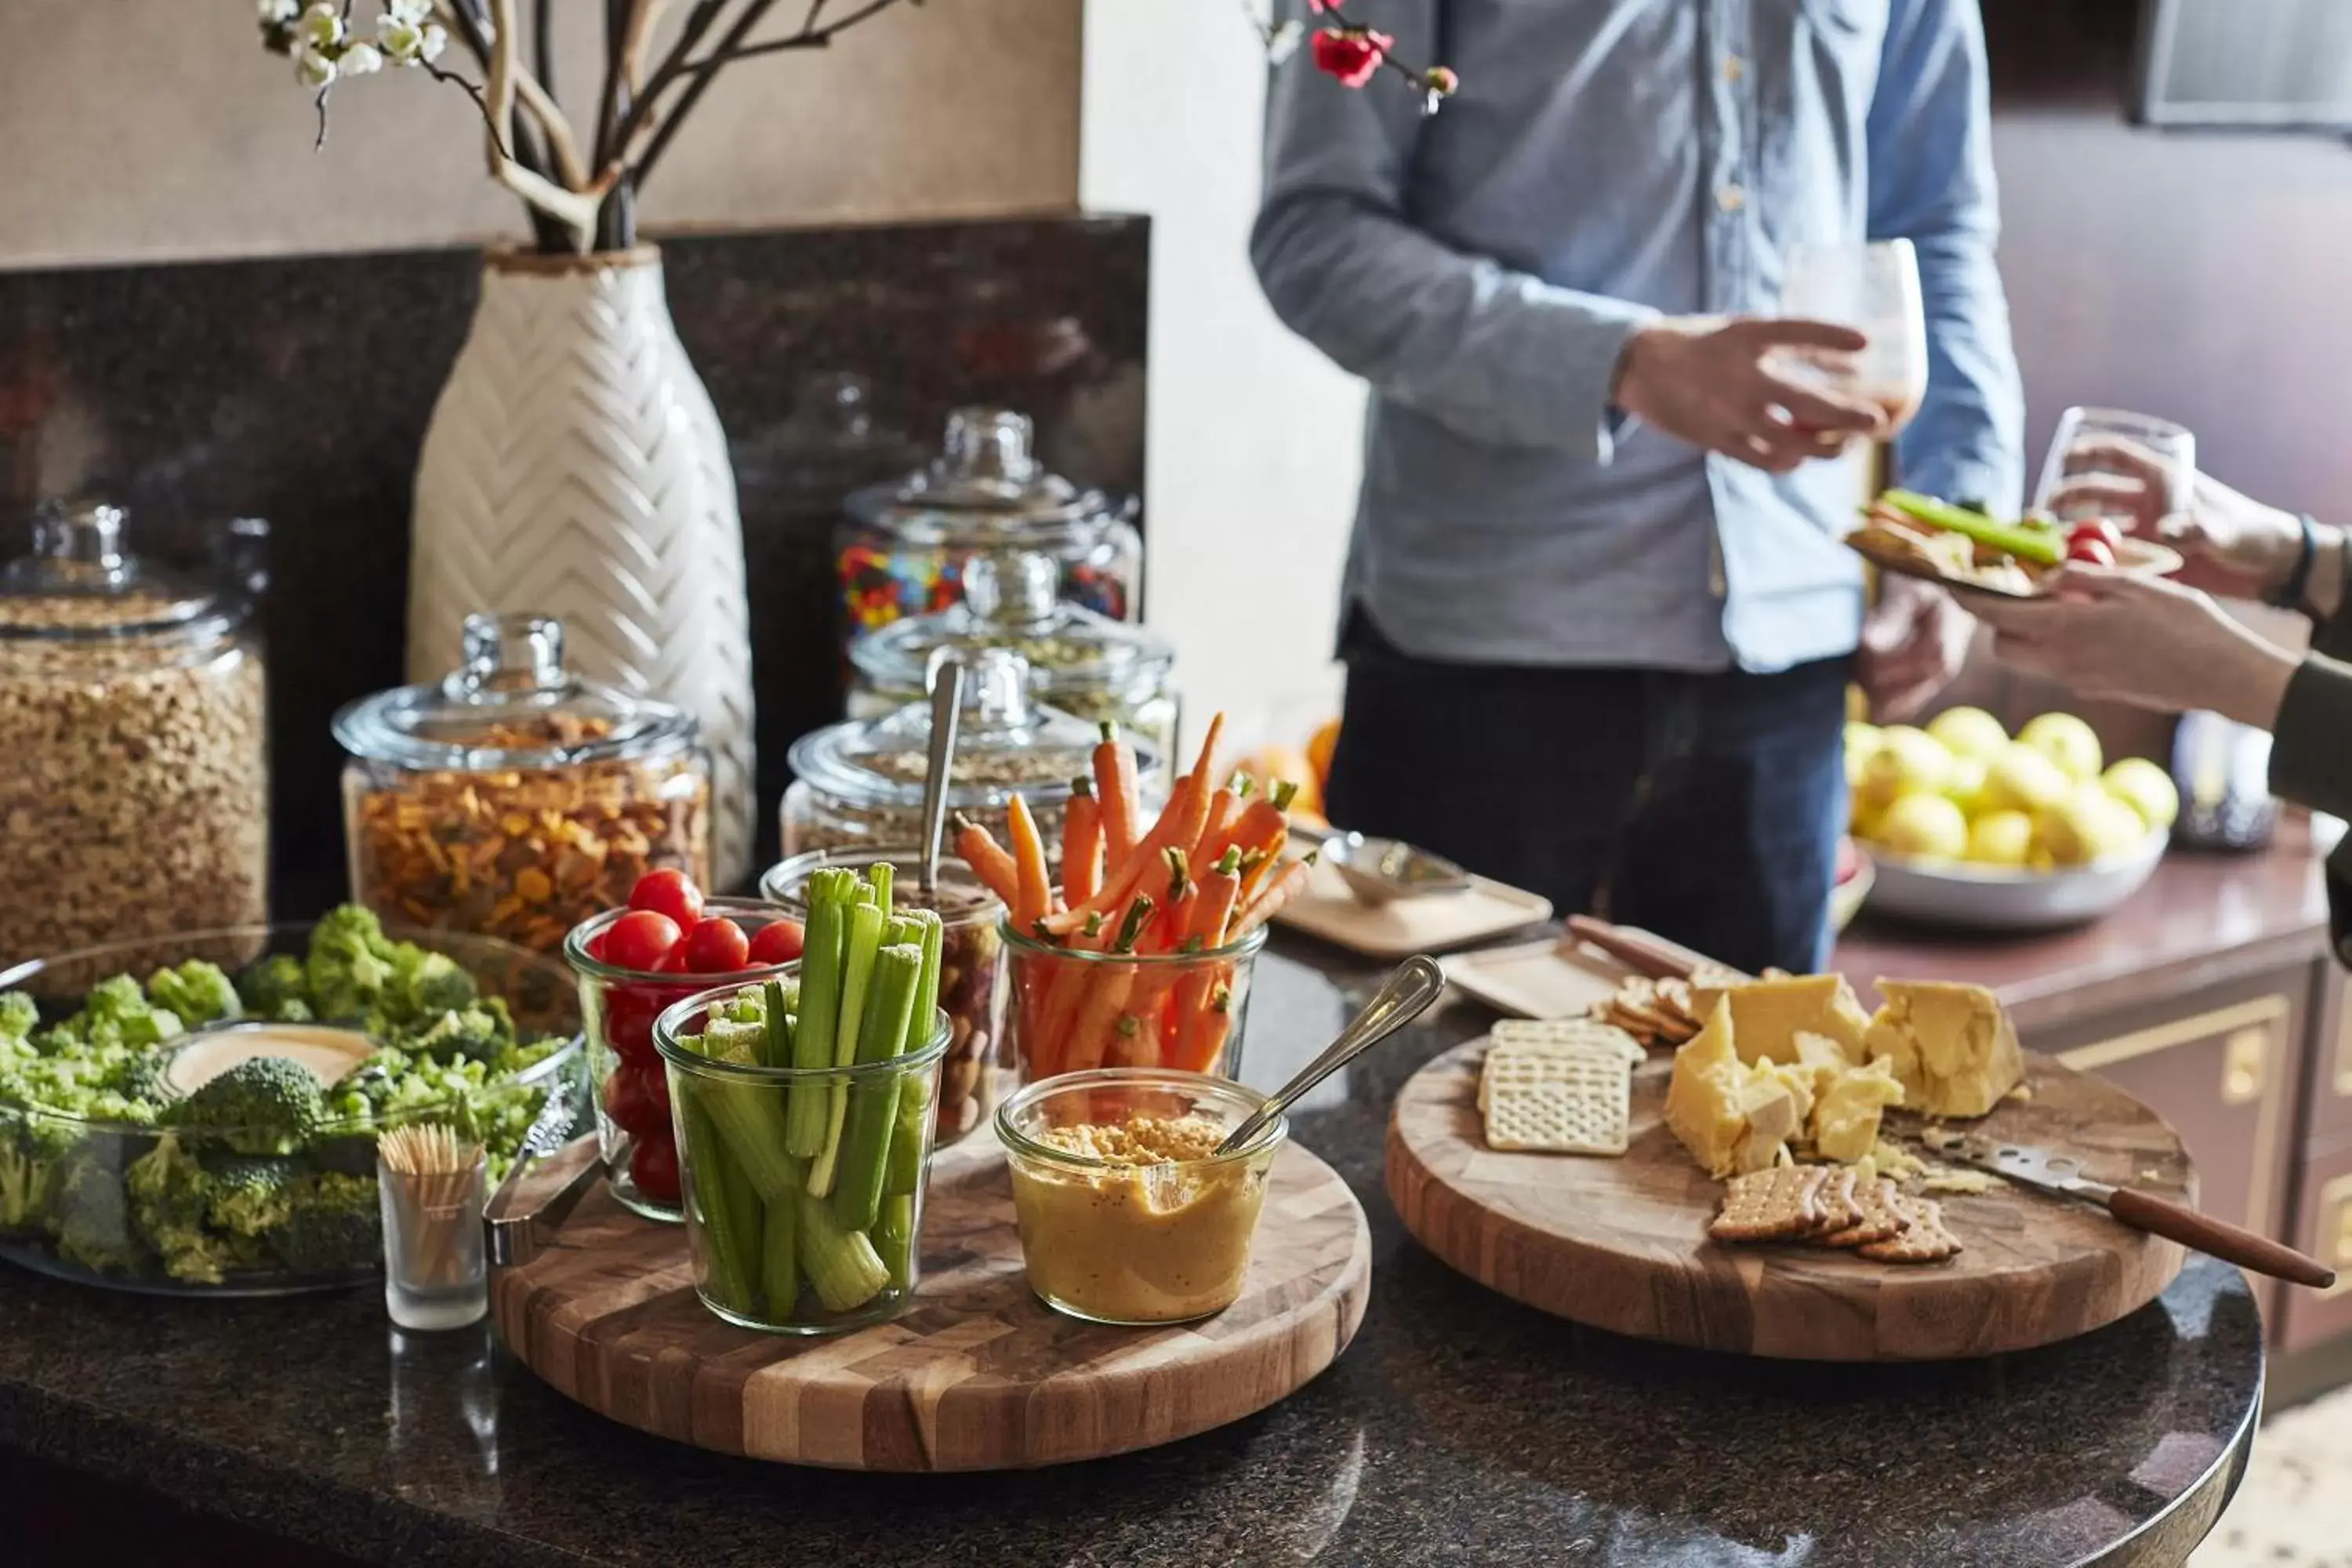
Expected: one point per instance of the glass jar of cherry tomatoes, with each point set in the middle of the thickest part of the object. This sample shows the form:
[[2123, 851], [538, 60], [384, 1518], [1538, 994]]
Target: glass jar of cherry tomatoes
[[666, 945]]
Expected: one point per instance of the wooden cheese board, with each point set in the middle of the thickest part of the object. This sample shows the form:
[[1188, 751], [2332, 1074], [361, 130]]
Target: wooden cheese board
[[1621, 1244], [977, 1375]]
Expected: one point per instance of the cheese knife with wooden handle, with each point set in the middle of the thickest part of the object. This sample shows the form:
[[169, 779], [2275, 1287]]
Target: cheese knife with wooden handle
[[1637, 950], [2062, 1174]]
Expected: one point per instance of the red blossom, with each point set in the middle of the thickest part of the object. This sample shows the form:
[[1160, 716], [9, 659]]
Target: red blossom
[[1351, 54]]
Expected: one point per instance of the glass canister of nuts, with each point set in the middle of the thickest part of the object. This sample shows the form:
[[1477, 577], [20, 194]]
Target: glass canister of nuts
[[135, 783], [514, 798], [972, 967]]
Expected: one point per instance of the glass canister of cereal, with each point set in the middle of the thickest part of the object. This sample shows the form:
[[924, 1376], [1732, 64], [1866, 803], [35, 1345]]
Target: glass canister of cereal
[[514, 798], [134, 780]]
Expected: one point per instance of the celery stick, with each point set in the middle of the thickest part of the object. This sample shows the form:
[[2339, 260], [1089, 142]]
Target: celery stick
[[776, 1049], [858, 952], [842, 1265], [780, 1256], [858, 1187], [2035, 544], [749, 1121], [926, 988], [894, 1237], [730, 1246], [829, 892], [726, 1040], [902, 1167], [881, 874]]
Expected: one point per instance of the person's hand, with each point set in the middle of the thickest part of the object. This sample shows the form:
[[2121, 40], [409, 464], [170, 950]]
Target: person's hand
[[2142, 640], [2234, 545], [1706, 381], [1914, 641]]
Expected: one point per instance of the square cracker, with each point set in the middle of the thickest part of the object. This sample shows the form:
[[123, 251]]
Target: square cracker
[[1554, 1035], [1770, 1205], [1880, 1205], [1839, 1207], [1568, 1103], [1924, 1240]]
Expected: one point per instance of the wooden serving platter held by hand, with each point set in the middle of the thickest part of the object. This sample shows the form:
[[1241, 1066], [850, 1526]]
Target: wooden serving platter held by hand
[[977, 1375], [1622, 1243]]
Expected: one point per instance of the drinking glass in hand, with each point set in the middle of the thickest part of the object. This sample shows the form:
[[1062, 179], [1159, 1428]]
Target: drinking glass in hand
[[2131, 469], [1874, 290]]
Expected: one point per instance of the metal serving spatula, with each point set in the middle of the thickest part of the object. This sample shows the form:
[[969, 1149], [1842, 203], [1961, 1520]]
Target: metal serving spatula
[[2062, 1175]]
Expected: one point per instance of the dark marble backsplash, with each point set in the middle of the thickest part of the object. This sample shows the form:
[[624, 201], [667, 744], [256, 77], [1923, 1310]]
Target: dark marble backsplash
[[296, 390]]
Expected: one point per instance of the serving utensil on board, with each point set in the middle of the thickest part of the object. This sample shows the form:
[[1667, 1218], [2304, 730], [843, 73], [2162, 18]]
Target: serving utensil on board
[[947, 708], [2061, 1175], [1403, 997], [1644, 953], [537, 1194], [1382, 870]]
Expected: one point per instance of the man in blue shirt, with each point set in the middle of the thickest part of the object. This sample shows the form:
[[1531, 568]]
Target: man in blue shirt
[[1599, 627]]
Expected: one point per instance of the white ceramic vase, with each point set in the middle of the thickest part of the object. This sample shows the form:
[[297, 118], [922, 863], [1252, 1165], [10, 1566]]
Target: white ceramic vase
[[574, 468]]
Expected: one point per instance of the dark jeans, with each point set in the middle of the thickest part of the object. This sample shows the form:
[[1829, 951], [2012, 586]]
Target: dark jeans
[[1706, 808]]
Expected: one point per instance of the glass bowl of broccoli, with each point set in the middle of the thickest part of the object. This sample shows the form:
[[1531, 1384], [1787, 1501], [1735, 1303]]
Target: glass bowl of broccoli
[[260, 1179]]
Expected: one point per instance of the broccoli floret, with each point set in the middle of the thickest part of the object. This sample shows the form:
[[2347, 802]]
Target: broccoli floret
[[200, 992], [483, 1032], [169, 1192], [277, 987], [427, 984], [266, 1105], [20, 1016], [32, 1149], [116, 1013], [336, 1225], [249, 1197], [350, 963], [94, 1217]]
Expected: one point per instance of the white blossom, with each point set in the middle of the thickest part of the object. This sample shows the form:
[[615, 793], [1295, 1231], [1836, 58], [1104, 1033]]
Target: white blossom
[[276, 13], [313, 68], [1282, 42], [437, 38], [410, 13], [321, 26], [408, 42], [359, 59]]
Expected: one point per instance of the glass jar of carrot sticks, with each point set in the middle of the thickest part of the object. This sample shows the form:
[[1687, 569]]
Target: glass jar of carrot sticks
[[1137, 951]]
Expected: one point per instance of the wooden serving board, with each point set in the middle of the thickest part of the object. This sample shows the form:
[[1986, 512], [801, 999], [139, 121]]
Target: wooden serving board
[[1434, 922], [976, 1374], [1622, 1243]]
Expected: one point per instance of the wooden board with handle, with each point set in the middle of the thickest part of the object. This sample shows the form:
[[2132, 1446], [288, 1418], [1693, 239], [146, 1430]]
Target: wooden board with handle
[[1622, 1243], [976, 1374]]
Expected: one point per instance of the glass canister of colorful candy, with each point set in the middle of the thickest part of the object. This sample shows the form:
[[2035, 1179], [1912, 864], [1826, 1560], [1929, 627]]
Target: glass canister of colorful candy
[[902, 547], [514, 798], [1085, 664]]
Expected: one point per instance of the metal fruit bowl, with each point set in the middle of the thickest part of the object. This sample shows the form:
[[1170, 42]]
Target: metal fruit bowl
[[1987, 898]]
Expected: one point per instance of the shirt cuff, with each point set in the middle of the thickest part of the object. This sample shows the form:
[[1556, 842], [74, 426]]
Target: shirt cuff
[[2308, 761], [1595, 347]]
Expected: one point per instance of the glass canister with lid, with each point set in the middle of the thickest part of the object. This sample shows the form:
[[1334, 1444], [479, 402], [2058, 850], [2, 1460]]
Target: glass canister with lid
[[1085, 664], [134, 781], [861, 782], [514, 798], [903, 546]]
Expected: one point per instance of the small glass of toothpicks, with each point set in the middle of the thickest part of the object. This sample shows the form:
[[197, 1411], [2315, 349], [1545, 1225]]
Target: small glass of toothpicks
[[432, 1183]]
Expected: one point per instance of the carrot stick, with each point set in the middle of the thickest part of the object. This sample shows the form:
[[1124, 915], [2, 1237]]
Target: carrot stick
[[1202, 1044], [989, 862], [1082, 837], [1116, 787], [1033, 886], [1224, 810], [1261, 822], [1105, 998], [1133, 1042], [1188, 805], [1060, 987], [1280, 892], [1168, 929]]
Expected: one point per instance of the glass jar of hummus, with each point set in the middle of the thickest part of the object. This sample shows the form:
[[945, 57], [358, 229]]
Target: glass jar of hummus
[[1127, 1213]]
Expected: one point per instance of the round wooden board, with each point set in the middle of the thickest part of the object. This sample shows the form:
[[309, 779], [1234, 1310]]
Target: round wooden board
[[1622, 1243], [976, 1374]]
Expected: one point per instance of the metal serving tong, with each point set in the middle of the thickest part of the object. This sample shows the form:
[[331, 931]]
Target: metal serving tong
[[536, 1197], [2062, 1175], [1382, 870]]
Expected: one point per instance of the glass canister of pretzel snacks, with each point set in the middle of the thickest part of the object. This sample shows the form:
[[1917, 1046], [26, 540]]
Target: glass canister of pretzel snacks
[[514, 798]]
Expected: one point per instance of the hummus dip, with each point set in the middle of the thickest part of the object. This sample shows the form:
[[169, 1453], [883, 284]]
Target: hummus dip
[[1156, 1233]]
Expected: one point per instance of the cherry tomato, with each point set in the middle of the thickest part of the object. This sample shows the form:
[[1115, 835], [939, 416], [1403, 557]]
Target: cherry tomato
[[596, 945], [2097, 527], [778, 942], [715, 946], [676, 962], [630, 1101], [629, 1011], [668, 891], [640, 939], [2090, 551], [654, 1167]]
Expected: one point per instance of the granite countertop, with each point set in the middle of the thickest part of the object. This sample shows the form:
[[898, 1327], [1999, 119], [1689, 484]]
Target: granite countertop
[[1459, 1428]]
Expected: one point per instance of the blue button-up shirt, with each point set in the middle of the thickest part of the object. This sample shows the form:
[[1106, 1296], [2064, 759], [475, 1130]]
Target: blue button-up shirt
[[1606, 161]]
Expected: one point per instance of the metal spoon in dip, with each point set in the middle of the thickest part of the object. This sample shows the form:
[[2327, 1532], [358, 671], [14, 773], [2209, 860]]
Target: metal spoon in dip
[[1382, 870], [1403, 997], [947, 709]]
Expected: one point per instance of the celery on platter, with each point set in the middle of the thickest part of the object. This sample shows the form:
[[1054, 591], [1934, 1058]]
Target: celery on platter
[[776, 1049], [902, 1167], [749, 1121], [728, 1238], [856, 1186], [894, 1237], [2039, 545], [830, 890], [780, 1256], [841, 1264]]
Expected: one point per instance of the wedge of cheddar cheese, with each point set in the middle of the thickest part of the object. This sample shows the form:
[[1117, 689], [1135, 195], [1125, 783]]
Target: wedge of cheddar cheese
[[1949, 1045], [1705, 1097], [1767, 1016]]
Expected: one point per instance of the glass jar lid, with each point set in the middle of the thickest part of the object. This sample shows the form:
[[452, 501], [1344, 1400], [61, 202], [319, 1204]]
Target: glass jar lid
[[77, 583], [512, 704], [986, 489], [1010, 601], [1005, 744]]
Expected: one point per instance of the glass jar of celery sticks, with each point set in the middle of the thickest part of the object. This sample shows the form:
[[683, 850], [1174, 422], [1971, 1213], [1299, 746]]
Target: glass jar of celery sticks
[[803, 1113]]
